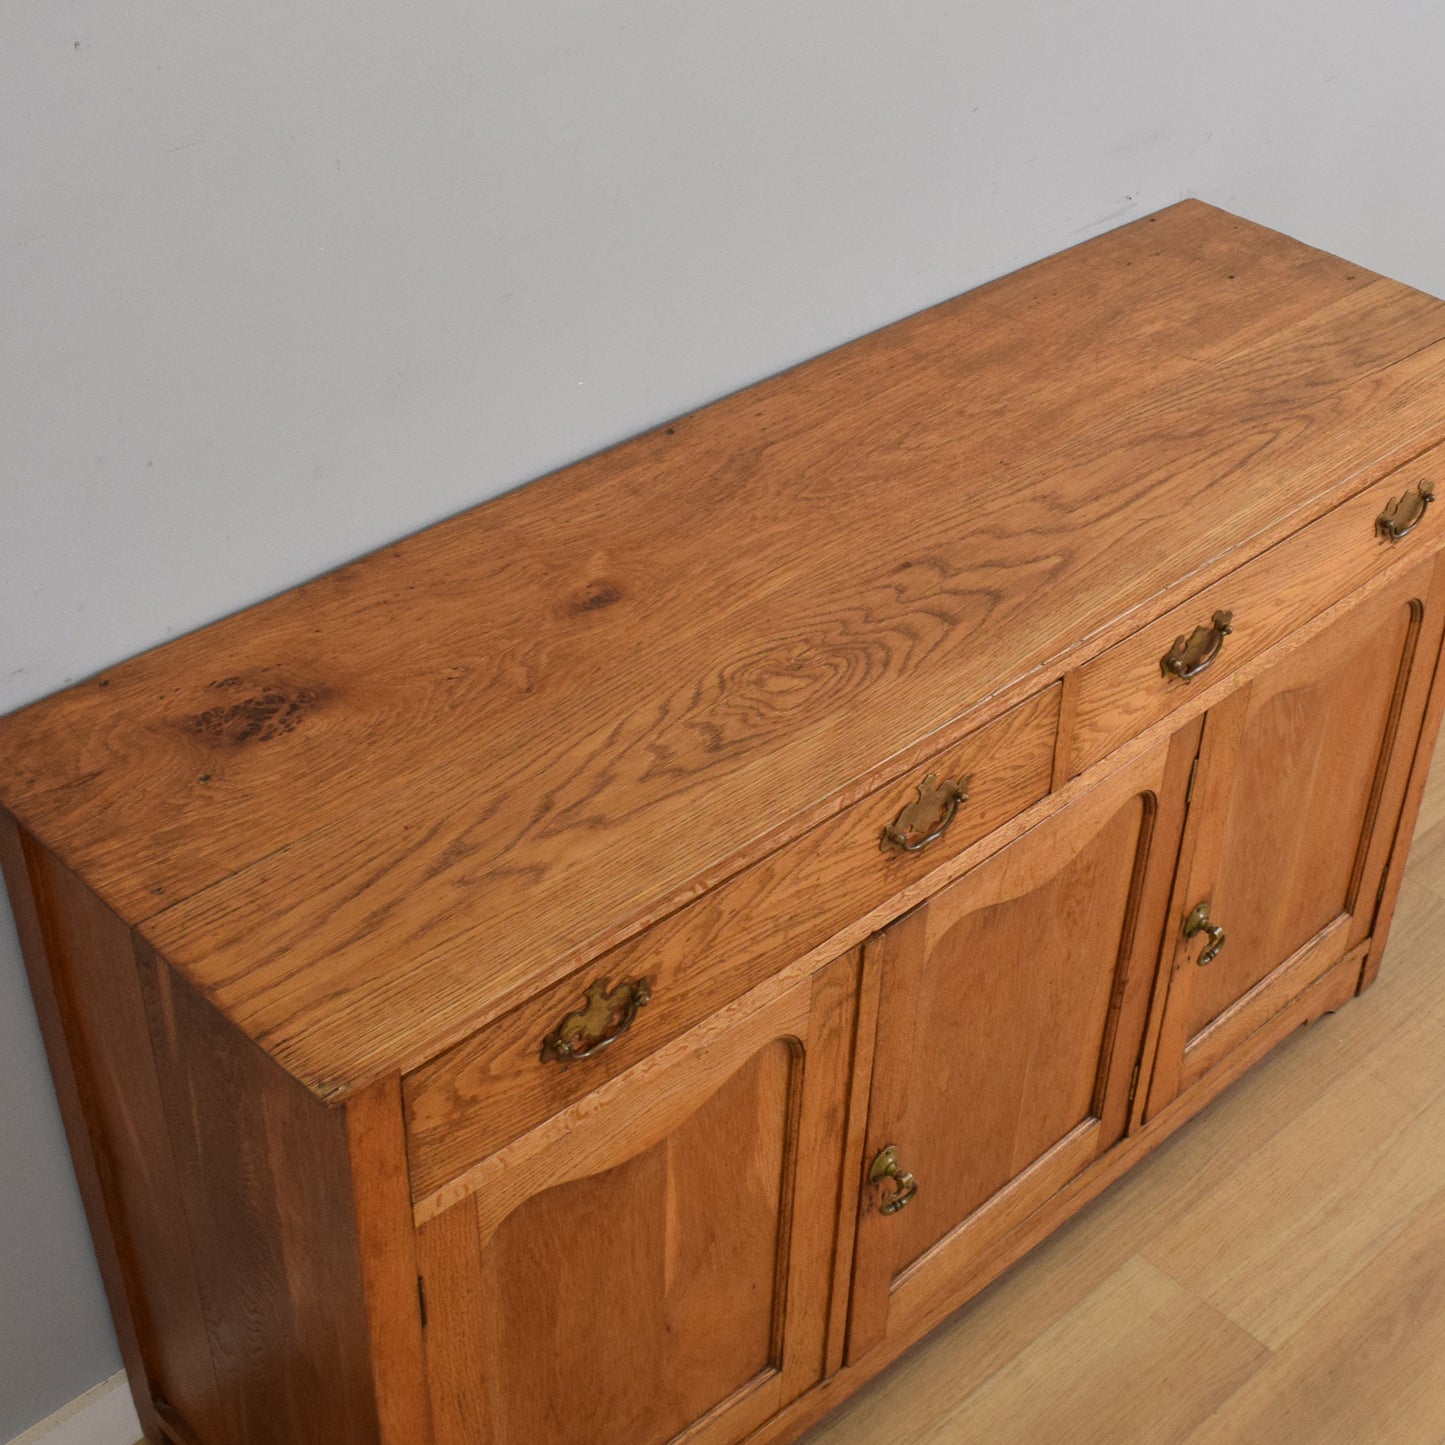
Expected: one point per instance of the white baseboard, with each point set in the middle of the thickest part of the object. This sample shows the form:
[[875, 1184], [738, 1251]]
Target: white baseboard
[[102, 1416]]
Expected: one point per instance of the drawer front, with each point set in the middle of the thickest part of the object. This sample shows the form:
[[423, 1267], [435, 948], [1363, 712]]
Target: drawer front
[[494, 1086], [1126, 689]]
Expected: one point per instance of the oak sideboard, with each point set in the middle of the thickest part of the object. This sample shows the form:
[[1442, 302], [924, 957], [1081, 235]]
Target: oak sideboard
[[622, 964]]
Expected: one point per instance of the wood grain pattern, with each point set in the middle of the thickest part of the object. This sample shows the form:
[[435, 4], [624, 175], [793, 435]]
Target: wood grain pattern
[[1382, 1158], [1370, 1367], [490, 1088], [266, 1184], [1357, 1367], [1399, 1035], [1124, 691], [1301, 779], [669, 1276], [1060, 1390], [128, 1193], [1311, 1131], [303, 892], [544, 725], [683, 1328], [1326, 995], [417, 953], [1396, 845], [870, 986], [1013, 1013], [376, 1153]]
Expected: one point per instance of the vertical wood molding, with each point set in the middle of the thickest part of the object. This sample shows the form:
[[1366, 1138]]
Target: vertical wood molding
[[381, 1194], [1394, 873]]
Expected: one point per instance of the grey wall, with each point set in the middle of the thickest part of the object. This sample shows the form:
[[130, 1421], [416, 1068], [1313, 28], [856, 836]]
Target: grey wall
[[282, 281]]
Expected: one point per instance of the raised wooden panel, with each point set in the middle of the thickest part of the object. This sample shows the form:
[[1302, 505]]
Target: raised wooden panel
[[1008, 1020], [1011, 1019], [630, 1303], [1301, 778], [672, 1275], [1310, 760]]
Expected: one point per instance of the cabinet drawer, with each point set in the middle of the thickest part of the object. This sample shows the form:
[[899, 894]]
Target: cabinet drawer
[[490, 1088], [1126, 689]]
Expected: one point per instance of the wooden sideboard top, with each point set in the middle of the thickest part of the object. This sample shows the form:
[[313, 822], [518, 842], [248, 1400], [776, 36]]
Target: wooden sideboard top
[[370, 814]]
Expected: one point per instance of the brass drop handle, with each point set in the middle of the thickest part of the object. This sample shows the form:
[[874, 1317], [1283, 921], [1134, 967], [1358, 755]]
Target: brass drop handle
[[1198, 922], [607, 1015], [925, 820], [1191, 655], [1404, 515], [886, 1166]]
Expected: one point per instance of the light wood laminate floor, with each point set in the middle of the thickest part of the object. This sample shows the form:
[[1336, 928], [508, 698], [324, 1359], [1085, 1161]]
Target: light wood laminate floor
[[1275, 1273]]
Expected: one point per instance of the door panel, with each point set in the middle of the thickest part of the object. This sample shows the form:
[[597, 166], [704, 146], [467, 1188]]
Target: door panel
[[682, 1233], [1011, 1018], [1048, 1009], [1309, 762], [1301, 777], [655, 1261]]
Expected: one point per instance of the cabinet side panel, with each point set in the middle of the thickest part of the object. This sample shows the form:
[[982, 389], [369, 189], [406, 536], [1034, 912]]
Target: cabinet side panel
[[82, 973], [265, 1180]]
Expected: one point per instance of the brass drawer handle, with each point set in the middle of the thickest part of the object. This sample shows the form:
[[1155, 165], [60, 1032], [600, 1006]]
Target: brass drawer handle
[[1404, 515], [1198, 922], [1191, 655], [886, 1166], [607, 1016], [926, 819]]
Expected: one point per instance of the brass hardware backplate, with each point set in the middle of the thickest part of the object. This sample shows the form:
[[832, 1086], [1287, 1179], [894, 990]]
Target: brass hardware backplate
[[1191, 655], [926, 818], [1404, 513], [607, 1015], [886, 1166]]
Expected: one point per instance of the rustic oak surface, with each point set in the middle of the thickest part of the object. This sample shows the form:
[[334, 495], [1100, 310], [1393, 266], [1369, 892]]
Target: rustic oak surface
[[379, 810]]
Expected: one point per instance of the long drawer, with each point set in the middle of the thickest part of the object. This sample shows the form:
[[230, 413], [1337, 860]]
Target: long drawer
[[1128, 688], [492, 1087]]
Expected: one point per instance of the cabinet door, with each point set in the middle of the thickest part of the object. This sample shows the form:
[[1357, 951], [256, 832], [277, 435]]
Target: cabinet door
[[620, 1274], [1011, 1016], [1301, 778]]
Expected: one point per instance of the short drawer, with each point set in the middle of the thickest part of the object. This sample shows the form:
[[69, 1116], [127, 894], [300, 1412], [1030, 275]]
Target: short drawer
[[1127, 689], [492, 1087]]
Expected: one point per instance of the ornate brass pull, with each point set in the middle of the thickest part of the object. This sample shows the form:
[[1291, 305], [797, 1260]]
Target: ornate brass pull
[[607, 1016], [1191, 655], [1198, 922], [886, 1166], [1404, 515], [926, 819]]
